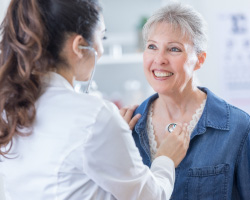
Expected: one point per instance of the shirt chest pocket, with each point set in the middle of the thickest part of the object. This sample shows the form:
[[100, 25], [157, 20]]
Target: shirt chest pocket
[[207, 183]]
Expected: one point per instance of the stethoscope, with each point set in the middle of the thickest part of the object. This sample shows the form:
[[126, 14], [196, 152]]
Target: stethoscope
[[93, 71]]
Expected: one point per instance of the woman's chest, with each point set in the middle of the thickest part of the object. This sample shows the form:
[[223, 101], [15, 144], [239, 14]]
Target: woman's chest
[[207, 171]]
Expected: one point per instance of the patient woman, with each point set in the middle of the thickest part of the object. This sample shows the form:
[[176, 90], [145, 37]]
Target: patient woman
[[217, 165]]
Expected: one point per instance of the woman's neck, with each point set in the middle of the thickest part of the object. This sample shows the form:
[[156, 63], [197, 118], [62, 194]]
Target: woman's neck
[[67, 74], [179, 106]]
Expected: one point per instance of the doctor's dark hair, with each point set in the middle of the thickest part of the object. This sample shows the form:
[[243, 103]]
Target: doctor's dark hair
[[33, 34]]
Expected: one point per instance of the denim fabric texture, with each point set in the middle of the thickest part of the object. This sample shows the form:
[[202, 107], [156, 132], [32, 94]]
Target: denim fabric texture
[[217, 164]]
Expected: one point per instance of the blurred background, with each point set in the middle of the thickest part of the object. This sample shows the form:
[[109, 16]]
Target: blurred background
[[119, 75]]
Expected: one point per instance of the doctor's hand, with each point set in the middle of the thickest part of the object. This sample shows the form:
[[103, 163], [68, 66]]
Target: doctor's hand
[[175, 144], [127, 113]]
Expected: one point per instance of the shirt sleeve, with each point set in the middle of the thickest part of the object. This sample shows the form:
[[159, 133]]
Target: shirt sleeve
[[243, 170], [113, 162]]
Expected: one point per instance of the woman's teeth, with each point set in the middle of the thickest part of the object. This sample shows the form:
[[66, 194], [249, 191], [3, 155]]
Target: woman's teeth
[[162, 74]]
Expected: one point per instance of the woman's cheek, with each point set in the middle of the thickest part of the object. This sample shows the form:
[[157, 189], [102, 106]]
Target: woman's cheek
[[147, 61], [101, 50]]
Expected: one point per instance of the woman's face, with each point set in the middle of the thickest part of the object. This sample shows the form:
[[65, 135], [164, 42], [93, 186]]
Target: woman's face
[[169, 59]]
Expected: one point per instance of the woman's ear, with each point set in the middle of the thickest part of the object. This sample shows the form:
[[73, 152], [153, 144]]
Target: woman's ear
[[78, 41], [201, 59]]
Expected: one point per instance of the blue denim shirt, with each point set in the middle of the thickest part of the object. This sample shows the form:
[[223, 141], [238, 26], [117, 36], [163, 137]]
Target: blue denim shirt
[[217, 164]]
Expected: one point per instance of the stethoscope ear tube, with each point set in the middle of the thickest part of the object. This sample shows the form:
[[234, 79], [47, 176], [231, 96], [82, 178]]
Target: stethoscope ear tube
[[93, 71]]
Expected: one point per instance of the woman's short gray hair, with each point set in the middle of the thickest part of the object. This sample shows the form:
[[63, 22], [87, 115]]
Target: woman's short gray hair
[[184, 18]]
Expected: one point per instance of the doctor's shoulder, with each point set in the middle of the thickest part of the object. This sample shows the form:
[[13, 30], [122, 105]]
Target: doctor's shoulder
[[94, 103]]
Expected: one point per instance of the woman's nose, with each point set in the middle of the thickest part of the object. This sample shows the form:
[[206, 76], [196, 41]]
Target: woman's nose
[[161, 58]]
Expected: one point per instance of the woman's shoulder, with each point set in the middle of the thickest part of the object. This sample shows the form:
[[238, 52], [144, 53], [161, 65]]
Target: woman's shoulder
[[214, 100], [220, 109], [239, 113]]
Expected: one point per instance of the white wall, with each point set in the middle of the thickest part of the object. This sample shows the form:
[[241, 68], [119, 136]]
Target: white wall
[[210, 10], [211, 75], [4, 4]]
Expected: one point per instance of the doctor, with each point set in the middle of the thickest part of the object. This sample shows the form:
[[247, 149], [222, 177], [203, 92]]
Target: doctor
[[54, 142]]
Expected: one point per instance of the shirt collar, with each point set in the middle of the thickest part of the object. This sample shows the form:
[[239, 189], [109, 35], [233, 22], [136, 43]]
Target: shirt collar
[[215, 114], [55, 79], [143, 110]]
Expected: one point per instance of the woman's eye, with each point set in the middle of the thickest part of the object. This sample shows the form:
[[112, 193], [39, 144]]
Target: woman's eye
[[175, 49], [151, 46]]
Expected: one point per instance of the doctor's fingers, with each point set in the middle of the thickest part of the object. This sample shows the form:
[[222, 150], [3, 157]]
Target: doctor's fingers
[[178, 129], [133, 121], [123, 111], [127, 112]]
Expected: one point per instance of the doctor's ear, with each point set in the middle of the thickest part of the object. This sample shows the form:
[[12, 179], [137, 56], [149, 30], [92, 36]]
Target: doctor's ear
[[201, 59], [78, 41]]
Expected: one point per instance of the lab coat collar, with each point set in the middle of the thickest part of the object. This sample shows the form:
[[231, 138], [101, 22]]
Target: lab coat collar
[[55, 79]]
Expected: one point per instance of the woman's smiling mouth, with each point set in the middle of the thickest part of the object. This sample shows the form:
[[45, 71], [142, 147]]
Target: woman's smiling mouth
[[162, 74]]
